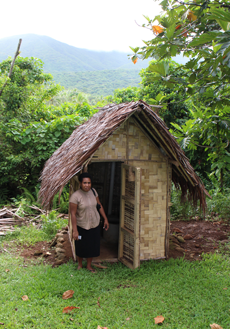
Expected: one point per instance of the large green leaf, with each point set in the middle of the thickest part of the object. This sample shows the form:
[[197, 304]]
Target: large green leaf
[[161, 68], [170, 31], [223, 24], [220, 14], [204, 38]]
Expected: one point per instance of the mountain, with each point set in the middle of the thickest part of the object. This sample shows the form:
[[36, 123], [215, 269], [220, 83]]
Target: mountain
[[60, 57], [92, 72]]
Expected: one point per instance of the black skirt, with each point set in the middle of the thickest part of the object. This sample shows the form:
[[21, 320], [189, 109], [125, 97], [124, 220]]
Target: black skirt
[[89, 245]]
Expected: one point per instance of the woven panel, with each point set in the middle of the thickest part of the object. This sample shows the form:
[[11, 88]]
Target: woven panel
[[153, 209], [129, 185], [114, 147], [140, 146], [129, 216], [128, 247]]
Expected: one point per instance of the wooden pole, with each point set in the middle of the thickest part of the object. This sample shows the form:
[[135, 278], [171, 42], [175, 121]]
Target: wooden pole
[[12, 65]]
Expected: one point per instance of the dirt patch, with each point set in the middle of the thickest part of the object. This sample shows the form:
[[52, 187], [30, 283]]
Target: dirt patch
[[203, 237], [40, 251]]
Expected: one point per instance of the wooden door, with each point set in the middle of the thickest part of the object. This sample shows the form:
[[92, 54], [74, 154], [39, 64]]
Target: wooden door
[[129, 231]]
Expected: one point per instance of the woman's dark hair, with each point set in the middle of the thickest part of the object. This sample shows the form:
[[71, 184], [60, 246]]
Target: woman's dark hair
[[84, 175]]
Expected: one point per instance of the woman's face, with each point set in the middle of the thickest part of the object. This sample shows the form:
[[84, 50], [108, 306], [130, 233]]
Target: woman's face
[[85, 184]]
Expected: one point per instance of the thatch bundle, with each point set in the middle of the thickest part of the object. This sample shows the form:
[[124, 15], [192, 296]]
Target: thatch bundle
[[79, 148]]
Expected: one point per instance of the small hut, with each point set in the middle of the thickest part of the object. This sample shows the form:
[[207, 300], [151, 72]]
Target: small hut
[[133, 158]]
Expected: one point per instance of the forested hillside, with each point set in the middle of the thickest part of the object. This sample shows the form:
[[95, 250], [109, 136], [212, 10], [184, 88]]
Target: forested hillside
[[98, 83], [60, 57]]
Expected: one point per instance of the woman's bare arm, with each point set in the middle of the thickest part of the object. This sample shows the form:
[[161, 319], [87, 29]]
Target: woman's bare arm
[[73, 210], [102, 212]]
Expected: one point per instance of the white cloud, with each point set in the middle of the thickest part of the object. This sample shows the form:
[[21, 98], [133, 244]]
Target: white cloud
[[91, 24]]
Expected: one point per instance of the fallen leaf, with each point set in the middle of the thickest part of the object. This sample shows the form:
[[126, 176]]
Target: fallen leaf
[[178, 27], [159, 319], [157, 29], [68, 294], [99, 327], [25, 297], [98, 302], [127, 319], [225, 288], [188, 237], [7, 270], [71, 319], [176, 229], [68, 309], [215, 326], [191, 16]]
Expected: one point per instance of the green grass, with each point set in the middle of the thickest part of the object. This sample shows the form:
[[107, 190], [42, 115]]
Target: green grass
[[187, 294], [29, 235], [25, 235]]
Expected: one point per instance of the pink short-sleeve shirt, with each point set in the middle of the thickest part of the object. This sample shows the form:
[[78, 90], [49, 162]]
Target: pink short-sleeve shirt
[[87, 214]]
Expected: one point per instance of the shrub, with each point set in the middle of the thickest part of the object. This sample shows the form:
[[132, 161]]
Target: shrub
[[51, 224]]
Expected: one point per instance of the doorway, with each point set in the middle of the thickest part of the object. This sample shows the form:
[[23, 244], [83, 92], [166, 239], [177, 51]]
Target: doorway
[[106, 179]]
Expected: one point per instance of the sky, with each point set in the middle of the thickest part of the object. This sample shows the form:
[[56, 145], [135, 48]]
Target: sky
[[91, 24]]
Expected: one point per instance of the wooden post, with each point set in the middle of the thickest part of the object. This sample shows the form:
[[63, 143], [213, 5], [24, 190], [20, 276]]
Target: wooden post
[[12, 65]]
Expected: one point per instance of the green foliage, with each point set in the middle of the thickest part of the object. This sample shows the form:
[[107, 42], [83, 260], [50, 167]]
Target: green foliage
[[198, 30], [182, 209], [185, 293], [220, 203], [217, 208], [51, 224], [98, 83], [208, 130], [158, 90], [63, 205], [31, 129], [26, 90], [128, 94], [25, 236], [3, 196]]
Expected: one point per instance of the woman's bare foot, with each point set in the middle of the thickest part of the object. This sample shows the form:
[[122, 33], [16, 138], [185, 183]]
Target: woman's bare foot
[[91, 269], [79, 267]]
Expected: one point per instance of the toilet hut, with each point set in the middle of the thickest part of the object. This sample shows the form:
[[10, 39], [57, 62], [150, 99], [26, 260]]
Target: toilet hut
[[133, 159]]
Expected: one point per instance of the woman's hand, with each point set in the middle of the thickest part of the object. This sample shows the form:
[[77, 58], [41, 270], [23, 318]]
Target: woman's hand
[[75, 234], [106, 224]]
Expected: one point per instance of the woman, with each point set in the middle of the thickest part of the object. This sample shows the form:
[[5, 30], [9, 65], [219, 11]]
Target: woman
[[85, 221]]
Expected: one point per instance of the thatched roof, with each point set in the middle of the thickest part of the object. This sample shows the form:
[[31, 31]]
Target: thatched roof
[[70, 158]]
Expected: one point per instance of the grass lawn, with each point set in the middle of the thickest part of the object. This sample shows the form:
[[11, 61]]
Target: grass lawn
[[188, 294]]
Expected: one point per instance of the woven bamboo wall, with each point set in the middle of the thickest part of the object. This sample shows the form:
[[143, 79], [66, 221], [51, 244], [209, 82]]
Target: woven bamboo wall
[[140, 146], [134, 145], [153, 208], [115, 146]]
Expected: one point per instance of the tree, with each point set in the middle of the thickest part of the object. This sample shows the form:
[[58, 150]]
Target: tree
[[155, 90], [199, 30], [27, 89], [30, 129]]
